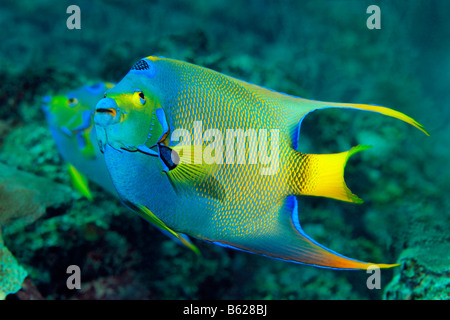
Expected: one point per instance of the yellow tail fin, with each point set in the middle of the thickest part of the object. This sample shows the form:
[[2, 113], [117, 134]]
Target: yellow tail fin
[[323, 175]]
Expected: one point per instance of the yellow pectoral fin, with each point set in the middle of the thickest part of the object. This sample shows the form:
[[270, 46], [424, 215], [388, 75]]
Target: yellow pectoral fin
[[195, 179], [79, 182], [323, 175], [191, 174], [145, 213]]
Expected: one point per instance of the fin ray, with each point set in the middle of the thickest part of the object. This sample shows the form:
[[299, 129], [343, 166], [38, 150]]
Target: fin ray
[[190, 174]]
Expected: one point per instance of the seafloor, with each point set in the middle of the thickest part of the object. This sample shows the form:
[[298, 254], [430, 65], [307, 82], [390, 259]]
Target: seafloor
[[321, 50]]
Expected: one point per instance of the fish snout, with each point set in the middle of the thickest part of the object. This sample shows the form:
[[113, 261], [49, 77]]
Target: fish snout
[[106, 112]]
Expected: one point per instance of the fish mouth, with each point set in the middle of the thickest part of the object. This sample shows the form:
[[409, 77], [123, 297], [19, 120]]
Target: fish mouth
[[107, 112], [112, 112]]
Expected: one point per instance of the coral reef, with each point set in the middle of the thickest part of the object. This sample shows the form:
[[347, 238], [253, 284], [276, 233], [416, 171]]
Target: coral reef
[[425, 270], [11, 273], [23, 199], [420, 277]]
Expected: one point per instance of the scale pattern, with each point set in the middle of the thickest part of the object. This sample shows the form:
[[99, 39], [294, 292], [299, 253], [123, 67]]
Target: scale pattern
[[224, 103]]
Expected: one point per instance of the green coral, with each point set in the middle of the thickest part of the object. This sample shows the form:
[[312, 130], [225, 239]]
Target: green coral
[[424, 275], [12, 273], [24, 198]]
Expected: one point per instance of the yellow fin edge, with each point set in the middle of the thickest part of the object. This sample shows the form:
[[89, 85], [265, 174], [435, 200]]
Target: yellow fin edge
[[80, 182], [383, 110], [145, 213]]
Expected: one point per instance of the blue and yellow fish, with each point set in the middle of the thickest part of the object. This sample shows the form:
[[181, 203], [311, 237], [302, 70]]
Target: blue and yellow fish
[[214, 157], [70, 118]]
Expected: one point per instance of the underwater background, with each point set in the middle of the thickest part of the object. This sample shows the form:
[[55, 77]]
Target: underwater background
[[321, 50]]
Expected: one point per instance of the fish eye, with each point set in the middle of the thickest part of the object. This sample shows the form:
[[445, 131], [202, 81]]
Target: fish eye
[[72, 102], [141, 96]]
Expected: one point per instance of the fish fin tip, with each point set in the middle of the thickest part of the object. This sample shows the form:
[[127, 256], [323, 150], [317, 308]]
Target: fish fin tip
[[188, 243], [307, 250], [148, 215], [421, 128], [383, 110], [387, 265], [354, 198], [358, 148], [80, 182], [302, 107]]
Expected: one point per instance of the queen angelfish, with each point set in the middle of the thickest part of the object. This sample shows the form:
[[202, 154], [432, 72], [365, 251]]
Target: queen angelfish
[[214, 157], [70, 118]]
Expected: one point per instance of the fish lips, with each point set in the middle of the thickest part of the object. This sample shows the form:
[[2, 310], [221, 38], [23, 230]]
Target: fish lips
[[107, 112]]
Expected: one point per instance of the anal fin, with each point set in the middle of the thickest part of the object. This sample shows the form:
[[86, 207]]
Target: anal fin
[[287, 241]]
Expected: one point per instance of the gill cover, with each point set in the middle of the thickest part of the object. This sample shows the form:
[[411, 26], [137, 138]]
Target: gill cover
[[159, 129], [131, 116]]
